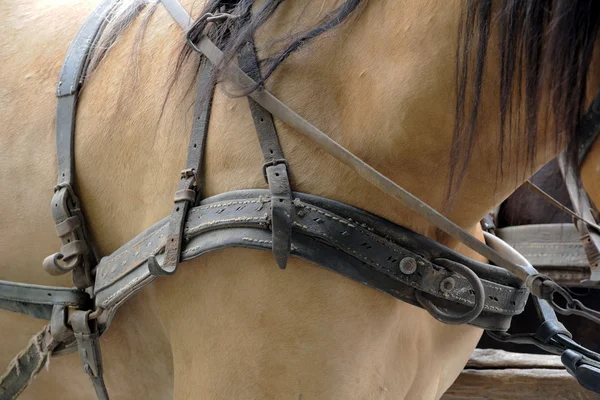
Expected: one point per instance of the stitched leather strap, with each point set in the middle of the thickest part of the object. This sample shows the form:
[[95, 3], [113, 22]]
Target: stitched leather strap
[[284, 113], [275, 165], [339, 237]]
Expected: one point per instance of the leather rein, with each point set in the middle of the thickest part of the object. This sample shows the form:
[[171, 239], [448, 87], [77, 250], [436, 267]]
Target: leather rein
[[364, 247]]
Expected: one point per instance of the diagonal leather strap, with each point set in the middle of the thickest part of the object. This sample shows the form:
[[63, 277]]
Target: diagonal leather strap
[[27, 364], [178, 13], [275, 165], [188, 188], [291, 118]]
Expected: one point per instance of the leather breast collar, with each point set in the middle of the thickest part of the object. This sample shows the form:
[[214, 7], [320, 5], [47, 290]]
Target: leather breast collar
[[349, 241]]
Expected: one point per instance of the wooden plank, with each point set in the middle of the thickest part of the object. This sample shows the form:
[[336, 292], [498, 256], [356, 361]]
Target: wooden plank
[[502, 375], [513, 384], [492, 358]]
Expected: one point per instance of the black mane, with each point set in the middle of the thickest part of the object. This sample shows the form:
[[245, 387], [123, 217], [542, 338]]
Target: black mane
[[545, 49]]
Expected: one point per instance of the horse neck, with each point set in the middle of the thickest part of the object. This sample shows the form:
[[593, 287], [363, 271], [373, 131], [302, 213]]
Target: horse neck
[[379, 85]]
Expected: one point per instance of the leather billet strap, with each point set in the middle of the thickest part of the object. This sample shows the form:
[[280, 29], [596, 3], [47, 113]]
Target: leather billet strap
[[38, 301], [589, 129], [87, 335], [188, 188], [76, 253], [590, 237], [275, 165], [336, 236]]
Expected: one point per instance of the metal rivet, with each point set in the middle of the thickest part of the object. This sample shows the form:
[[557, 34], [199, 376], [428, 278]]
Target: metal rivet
[[408, 265], [447, 284]]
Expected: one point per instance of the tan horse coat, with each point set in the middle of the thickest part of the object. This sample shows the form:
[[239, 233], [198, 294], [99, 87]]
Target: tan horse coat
[[232, 325]]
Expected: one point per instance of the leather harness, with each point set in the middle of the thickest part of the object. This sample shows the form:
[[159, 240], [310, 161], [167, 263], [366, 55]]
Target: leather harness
[[373, 251]]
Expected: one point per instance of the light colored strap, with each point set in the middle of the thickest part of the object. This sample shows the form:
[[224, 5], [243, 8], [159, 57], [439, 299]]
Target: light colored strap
[[284, 113], [536, 189], [178, 13]]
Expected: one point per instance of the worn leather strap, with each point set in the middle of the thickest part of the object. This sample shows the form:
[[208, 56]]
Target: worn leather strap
[[65, 205], [546, 245], [590, 237], [87, 335], [538, 284], [275, 165], [27, 364], [339, 237], [38, 301], [188, 188], [589, 129]]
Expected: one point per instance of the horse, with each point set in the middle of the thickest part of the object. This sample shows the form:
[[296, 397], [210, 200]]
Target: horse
[[378, 77]]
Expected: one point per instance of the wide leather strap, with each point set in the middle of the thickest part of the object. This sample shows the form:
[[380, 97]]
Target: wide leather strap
[[336, 236], [275, 165]]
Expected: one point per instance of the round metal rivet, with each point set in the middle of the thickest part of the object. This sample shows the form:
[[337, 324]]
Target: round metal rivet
[[447, 284], [408, 265]]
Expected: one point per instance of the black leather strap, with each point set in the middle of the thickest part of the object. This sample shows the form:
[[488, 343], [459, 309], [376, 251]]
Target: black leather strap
[[275, 165], [188, 189]]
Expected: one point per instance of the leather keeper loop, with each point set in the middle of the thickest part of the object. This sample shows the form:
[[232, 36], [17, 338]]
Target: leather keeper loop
[[53, 267], [188, 195], [68, 226], [75, 248]]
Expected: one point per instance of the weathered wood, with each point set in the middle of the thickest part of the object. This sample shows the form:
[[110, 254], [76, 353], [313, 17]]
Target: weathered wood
[[492, 358], [501, 375]]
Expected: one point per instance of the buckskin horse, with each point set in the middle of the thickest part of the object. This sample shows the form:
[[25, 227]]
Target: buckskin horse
[[458, 102]]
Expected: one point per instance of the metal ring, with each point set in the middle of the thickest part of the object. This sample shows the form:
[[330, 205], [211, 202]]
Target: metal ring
[[450, 318]]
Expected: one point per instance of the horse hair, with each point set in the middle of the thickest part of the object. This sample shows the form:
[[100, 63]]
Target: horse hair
[[545, 52]]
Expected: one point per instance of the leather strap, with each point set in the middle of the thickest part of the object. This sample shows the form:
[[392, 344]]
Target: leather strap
[[76, 253], [38, 301], [336, 236], [590, 237], [87, 335], [178, 13], [27, 364], [274, 167], [188, 188], [589, 129], [284, 113]]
